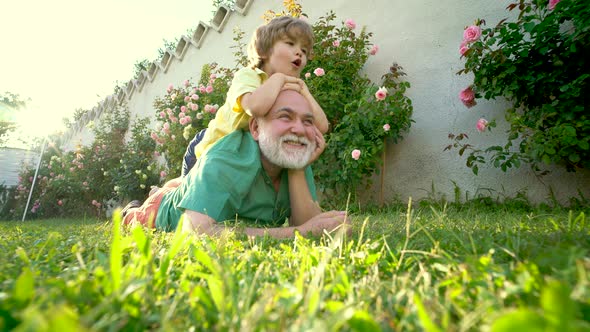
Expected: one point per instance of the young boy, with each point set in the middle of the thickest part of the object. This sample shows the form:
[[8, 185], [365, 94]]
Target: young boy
[[278, 52]]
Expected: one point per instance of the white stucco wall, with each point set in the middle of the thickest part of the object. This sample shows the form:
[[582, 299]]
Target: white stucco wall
[[423, 37]]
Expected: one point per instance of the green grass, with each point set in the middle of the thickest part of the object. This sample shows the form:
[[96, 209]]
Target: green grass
[[434, 268]]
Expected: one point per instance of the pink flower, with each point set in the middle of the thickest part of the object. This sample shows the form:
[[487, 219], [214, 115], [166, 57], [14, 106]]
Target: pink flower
[[162, 114], [350, 24], [202, 89], [181, 115], [156, 154], [186, 83], [467, 96], [60, 203], [386, 127], [194, 107], [481, 125], [336, 43], [471, 33], [187, 99], [85, 184], [374, 50], [209, 89], [183, 109], [552, 4], [463, 48], [169, 111], [307, 75], [154, 136], [195, 96], [356, 154], [187, 119], [94, 202], [166, 125], [162, 174], [381, 93], [319, 72], [170, 87], [212, 76]]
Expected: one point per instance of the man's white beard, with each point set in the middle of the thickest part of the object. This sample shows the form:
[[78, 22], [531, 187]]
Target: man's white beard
[[273, 150]]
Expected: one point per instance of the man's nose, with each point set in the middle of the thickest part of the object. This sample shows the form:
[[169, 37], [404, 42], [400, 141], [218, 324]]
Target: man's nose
[[297, 128]]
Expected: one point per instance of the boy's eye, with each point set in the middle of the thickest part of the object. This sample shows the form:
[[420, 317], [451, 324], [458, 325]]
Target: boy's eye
[[304, 50]]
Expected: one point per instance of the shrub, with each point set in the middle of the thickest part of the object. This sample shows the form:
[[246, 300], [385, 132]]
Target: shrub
[[185, 110], [536, 61]]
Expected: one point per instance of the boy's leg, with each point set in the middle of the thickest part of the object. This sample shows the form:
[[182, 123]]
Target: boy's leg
[[190, 159]]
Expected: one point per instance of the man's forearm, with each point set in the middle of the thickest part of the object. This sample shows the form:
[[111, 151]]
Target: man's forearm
[[303, 207]]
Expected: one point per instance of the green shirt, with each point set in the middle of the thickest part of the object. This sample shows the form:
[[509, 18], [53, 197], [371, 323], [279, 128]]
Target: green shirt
[[228, 182]]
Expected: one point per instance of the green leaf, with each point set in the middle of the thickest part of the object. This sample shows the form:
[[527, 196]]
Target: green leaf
[[427, 323], [528, 27], [116, 257], [362, 321], [559, 308], [520, 320], [24, 288]]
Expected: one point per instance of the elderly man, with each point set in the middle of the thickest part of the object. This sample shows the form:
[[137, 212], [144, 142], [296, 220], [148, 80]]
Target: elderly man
[[262, 175]]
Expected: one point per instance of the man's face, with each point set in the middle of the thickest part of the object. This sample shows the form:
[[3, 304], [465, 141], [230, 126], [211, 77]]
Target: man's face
[[286, 135]]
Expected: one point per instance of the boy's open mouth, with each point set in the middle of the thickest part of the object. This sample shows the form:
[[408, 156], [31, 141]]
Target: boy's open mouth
[[297, 62]]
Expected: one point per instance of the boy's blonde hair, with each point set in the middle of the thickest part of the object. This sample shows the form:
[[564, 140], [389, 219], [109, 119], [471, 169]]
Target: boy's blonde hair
[[267, 35]]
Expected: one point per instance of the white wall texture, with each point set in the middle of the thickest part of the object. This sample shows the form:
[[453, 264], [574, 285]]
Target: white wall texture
[[423, 37]]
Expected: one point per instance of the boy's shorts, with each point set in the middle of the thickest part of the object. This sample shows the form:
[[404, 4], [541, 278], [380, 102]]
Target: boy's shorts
[[146, 214]]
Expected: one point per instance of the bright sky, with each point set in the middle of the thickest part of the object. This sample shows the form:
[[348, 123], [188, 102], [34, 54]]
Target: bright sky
[[69, 54]]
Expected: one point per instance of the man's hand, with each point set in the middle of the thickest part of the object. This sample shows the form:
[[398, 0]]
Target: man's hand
[[327, 221], [320, 146]]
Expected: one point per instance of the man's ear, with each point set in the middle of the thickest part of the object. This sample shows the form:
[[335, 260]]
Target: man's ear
[[254, 128]]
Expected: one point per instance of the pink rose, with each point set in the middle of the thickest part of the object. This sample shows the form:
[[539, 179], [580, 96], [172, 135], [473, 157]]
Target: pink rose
[[209, 89], [336, 43], [386, 127], [170, 87], [356, 154], [374, 50], [154, 136], [183, 109], [463, 48], [162, 174], [60, 203], [186, 83], [156, 154], [85, 184], [381, 93], [187, 119], [166, 125], [181, 114], [162, 114], [187, 99], [195, 97], [212, 76], [467, 96], [471, 33], [307, 75], [481, 125], [94, 202], [319, 72], [202, 89], [350, 24], [194, 107], [552, 4]]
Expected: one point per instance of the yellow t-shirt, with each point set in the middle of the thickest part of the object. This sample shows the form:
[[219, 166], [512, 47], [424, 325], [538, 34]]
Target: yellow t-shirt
[[231, 116]]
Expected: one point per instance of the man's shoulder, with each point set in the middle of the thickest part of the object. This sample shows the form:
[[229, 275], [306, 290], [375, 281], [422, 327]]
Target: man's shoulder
[[238, 144]]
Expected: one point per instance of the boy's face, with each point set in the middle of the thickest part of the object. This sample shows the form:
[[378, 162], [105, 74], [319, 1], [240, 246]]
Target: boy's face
[[287, 56]]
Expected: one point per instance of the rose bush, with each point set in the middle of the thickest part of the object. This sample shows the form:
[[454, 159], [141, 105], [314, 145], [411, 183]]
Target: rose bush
[[184, 110], [81, 182], [537, 62]]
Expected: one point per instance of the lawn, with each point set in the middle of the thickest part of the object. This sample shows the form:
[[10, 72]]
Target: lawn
[[433, 268]]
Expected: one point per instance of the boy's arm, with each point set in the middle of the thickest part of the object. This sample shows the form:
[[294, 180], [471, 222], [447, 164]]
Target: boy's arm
[[259, 101], [321, 122]]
